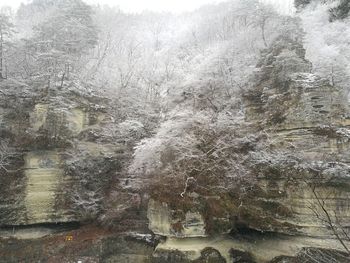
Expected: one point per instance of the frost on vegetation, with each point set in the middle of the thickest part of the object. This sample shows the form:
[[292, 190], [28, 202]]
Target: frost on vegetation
[[290, 163], [344, 132], [174, 136], [172, 87], [6, 154], [131, 129], [87, 204], [326, 42]]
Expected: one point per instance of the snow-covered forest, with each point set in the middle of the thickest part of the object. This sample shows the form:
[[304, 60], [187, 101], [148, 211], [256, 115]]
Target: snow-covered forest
[[199, 104]]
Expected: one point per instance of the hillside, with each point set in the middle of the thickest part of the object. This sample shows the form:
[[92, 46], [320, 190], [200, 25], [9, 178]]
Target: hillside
[[218, 135]]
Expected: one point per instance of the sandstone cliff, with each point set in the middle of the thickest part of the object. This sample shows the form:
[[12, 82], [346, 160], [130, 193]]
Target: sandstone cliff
[[64, 168], [302, 184], [47, 132]]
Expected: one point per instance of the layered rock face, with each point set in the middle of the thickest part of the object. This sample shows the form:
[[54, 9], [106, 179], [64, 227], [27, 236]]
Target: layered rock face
[[286, 95], [63, 169], [46, 132], [43, 178], [305, 123], [306, 116]]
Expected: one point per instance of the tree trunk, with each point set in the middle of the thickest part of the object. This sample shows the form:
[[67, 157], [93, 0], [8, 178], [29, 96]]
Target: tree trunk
[[1, 54], [263, 34]]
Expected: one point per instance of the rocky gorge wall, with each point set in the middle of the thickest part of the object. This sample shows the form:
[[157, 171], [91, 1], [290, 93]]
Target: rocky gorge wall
[[63, 169], [45, 131], [306, 124]]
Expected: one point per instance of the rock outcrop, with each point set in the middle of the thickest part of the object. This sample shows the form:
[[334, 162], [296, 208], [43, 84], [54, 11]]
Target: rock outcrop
[[306, 117], [305, 172], [47, 132], [64, 169], [162, 221]]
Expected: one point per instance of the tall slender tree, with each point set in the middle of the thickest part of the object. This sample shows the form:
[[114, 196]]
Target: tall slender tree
[[6, 32]]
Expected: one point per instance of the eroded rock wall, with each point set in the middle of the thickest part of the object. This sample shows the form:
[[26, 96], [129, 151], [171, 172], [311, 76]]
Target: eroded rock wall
[[46, 132], [64, 168], [305, 171]]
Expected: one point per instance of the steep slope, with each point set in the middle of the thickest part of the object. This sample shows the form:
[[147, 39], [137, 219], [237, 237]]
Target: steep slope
[[272, 187], [301, 174]]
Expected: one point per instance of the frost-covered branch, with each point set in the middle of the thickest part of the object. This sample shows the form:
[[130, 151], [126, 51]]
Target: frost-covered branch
[[6, 153]]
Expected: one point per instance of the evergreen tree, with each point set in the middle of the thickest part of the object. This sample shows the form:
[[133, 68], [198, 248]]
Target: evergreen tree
[[60, 41]]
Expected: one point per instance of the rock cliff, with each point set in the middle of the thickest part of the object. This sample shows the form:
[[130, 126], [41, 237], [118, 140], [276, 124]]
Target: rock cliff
[[302, 180], [63, 170], [47, 131]]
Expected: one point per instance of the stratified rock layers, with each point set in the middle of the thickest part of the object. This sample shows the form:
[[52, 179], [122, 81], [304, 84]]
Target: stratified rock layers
[[61, 160], [303, 116], [47, 133], [45, 178]]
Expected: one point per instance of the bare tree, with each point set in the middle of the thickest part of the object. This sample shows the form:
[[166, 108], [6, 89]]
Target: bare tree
[[6, 153], [329, 218]]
